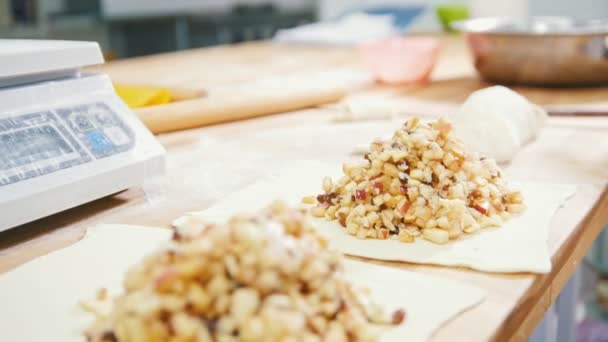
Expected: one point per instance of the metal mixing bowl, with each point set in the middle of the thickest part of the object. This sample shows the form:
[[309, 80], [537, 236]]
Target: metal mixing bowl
[[539, 51]]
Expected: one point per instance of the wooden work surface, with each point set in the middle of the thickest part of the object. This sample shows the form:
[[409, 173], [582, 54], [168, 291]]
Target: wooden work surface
[[207, 163]]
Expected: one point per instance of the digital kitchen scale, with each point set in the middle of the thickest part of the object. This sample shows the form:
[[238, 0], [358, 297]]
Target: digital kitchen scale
[[66, 138]]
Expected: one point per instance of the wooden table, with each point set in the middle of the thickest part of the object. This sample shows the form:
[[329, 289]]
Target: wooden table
[[207, 163]]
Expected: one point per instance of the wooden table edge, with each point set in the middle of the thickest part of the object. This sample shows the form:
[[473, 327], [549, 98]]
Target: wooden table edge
[[531, 308]]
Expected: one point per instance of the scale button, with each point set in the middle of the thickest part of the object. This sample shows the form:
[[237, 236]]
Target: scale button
[[103, 119], [100, 144], [83, 123], [116, 135]]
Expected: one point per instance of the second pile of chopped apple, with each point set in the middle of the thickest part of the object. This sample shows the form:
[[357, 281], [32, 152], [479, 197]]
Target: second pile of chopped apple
[[421, 182]]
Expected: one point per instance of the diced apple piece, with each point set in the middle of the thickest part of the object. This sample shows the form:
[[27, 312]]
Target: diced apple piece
[[438, 236]]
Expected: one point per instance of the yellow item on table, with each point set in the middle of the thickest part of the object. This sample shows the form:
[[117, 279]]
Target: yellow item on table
[[142, 96]]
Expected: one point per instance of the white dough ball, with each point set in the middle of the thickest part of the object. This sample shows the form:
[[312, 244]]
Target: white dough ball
[[497, 122]]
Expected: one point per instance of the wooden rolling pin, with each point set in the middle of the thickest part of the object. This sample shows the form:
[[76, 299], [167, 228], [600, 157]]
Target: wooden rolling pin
[[252, 100], [586, 109]]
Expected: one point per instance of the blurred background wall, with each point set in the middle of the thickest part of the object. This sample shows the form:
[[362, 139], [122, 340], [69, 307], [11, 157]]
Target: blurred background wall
[[138, 27], [581, 9]]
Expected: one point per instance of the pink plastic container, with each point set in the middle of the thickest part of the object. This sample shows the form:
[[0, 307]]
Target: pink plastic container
[[401, 60]]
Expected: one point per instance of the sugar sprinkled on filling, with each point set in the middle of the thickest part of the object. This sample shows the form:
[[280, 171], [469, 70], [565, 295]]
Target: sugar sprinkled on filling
[[260, 277], [421, 182]]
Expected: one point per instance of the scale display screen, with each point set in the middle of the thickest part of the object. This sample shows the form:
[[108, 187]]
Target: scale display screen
[[36, 144], [32, 145]]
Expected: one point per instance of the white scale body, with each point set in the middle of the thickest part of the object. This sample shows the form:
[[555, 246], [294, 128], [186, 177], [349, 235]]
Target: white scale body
[[66, 138]]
